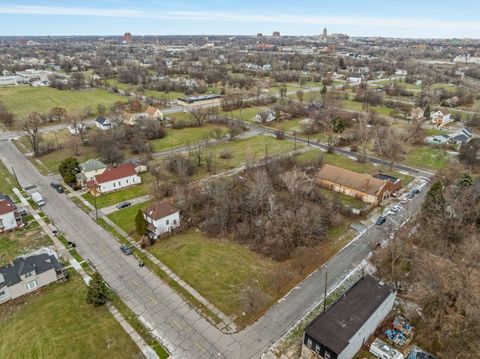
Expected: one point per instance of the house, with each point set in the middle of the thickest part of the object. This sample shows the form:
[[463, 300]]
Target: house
[[103, 123], [354, 80], [26, 274], [154, 113], [437, 139], [88, 170], [441, 117], [401, 72], [199, 101], [393, 183], [133, 119], [161, 218], [265, 116], [361, 186], [340, 331], [9, 218], [76, 128], [114, 178], [417, 114], [461, 136]]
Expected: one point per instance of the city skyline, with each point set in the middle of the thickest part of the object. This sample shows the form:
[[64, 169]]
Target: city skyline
[[215, 17]]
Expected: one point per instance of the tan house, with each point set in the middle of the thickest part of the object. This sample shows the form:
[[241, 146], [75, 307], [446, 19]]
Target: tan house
[[154, 113], [361, 186], [417, 114]]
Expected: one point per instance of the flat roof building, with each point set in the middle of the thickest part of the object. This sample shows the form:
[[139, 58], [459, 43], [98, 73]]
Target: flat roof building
[[340, 331], [198, 101]]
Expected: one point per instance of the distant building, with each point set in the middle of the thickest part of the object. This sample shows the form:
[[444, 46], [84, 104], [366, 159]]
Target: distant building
[[8, 80], [127, 37], [325, 33], [198, 101], [161, 218], [441, 117], [259, 34], [9, 218], [26, 274], [276, 34], [265, 116], [417, 114], [340, 331], [88, 170], [103, 123], [154, 113]]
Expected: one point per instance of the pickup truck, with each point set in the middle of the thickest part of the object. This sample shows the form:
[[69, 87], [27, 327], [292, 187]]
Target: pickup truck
[[38, 199]]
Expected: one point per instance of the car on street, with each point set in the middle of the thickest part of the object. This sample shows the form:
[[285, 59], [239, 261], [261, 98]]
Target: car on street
[[126, 249], [416, 191], [381, 220], [123, 205], [396, 209], [60, 189], [410, 195], [55, 184], [404, 200]]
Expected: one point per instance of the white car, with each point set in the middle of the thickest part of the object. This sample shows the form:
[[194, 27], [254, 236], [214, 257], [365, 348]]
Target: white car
[[396, 209]]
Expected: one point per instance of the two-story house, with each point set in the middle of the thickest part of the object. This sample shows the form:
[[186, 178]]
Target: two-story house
[[154, 113], [114, 178], [103, 123], [161, 218], [441, 117], [88, 170], [8, 215], [26, 274]]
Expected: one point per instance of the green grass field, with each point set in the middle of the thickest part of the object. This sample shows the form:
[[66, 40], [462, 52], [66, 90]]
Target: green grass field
[[58, 323], [125, 218], [22, 100], [7, 181], [171, 95], [245, 114], [183, 137], [427, 157]]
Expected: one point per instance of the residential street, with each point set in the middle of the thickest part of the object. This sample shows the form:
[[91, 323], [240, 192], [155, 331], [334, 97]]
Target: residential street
[[180, 328]]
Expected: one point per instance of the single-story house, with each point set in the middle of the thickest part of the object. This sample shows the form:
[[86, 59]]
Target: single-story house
[[393, 183], [133, 119], [154, 113], [340, 331], [26, 274], [457, 138], [265, 116], [417, 114], [437, 139], [9, 218], [354, 80], [441, 117], [361, 186], [76, 128], [103, 123], [114, 178], [162, 218], [88, 170]]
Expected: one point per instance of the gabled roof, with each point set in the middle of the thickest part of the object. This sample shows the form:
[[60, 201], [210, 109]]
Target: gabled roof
[[40, 263], [6, 206], [92, 165], [357, 181], [114, 173], [102, 120], [335, 327], [160, 210], [151, 110]]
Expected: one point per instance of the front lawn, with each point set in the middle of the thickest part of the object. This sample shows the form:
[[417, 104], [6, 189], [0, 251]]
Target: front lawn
[[7, 181], [183, 137], [112, 198], [245, 114], [125, 218], [432, 158], [58, 323]]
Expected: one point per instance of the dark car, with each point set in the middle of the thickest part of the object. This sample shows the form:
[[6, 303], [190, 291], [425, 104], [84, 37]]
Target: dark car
[[381, 220], [126, 249], [55, 184], [410, 196], [416, 191], [60, 189], [123, 205]]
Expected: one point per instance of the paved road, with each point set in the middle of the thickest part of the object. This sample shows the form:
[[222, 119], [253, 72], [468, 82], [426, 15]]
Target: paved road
[[182, 330]]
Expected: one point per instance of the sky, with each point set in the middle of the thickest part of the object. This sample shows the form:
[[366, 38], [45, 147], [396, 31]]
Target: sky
[[389, 18]]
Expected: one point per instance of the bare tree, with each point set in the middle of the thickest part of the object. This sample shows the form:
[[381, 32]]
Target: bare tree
[[202, 115], [198, 151], [31, 129]]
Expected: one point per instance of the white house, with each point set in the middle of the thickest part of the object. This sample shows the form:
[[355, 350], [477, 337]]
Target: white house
[[265, 117], [354, 80], [441, 117], [8, 220], [162, 218], [154, 113], [114, 178], [103, 123], [26, 274], [76, 128]]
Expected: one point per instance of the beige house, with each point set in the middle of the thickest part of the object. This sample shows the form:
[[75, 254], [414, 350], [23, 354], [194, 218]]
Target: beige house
[[361, 186], [154, 113], [417, 114], [26, 274], [88, 170]]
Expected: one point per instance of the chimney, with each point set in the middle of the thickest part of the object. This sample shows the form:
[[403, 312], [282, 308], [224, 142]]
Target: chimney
[[171, 201]]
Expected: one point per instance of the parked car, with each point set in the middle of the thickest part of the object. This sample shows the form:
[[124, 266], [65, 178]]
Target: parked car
[[381, 220], [60, 189], [404, 200], [71, 244], [123, 205], [410, 195], [126, 249], [416, 191], [396, 209], [55, 184]]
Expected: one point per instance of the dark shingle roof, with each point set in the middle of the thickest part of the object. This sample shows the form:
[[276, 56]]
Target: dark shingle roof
[[40, 263], [336, 326]]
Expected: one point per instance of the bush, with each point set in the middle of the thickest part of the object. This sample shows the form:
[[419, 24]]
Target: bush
[[68, 169], [225, 154]]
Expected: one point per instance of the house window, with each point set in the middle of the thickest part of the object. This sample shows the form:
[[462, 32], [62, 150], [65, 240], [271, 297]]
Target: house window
[[119, 183], [309, 343], [31, 285], [317, 348], [174, 221], [167, 221], [327, 355], [114, 185], [127, 181]]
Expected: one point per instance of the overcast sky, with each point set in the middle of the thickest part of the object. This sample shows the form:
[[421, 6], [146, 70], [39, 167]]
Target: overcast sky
[[406, 18]]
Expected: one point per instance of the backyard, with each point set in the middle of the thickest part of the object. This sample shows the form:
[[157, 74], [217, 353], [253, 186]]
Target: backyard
[[56, 322], [427, 157]]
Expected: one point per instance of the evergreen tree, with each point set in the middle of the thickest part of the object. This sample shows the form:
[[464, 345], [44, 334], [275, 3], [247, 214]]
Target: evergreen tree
[[434, 204], [68, 168], [427, 112], [97, 293], [141, 223]]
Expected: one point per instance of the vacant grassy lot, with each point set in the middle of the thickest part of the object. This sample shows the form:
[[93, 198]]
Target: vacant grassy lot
[[109, 199], [171, 95], [359, 107], [427, 157], [21, 100], [245, 114], [183, 137], [58, 323], [7, 181], [125, 218], [22, 241]]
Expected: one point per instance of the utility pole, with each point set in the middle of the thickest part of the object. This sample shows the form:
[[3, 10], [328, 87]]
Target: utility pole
[[16, 178], [325, 294]]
